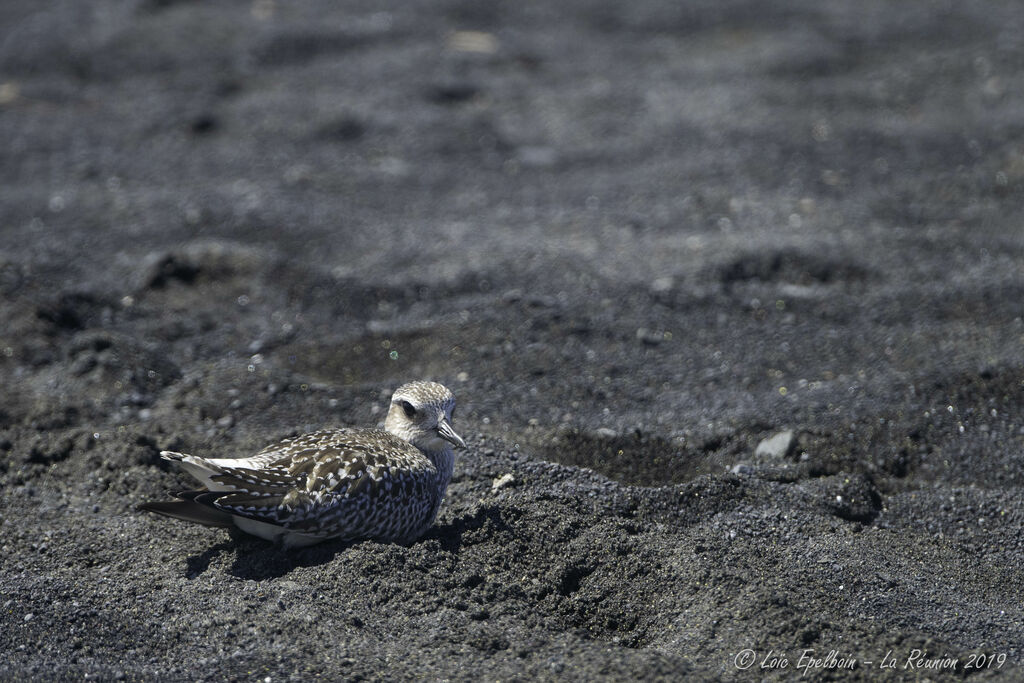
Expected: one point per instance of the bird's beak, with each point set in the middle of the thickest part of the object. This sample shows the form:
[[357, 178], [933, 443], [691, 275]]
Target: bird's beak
[[445, 431]]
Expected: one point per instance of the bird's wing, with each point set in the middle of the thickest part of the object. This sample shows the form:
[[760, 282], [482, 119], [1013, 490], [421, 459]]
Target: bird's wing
[[320, 476]]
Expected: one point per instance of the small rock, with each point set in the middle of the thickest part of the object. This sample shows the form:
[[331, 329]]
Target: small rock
[[663, 285], [226, 422], [501, 482], [649, 337], [778, 446], [605, 433], [512, 296]]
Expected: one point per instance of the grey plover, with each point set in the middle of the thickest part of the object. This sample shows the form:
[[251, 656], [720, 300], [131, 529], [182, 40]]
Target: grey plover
[[346, 484]]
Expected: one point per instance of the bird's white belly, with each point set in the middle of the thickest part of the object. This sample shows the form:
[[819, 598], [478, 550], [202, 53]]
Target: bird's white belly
[[272, 532]]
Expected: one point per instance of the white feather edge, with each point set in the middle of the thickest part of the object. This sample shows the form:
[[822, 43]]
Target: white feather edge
[[200, 470]]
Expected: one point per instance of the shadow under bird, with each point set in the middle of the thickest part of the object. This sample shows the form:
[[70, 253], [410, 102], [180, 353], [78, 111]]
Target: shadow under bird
[[346, 484]]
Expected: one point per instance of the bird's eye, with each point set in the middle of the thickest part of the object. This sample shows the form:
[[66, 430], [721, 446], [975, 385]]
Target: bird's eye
[[410, 410]]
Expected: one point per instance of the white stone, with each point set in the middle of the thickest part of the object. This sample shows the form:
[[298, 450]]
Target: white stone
[[777, 446], [501, 482]]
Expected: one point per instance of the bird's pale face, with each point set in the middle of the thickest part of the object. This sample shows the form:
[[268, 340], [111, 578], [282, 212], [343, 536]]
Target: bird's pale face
[[421, 413]]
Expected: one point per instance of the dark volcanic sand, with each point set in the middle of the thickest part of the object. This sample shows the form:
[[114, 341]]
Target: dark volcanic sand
[[636, 239]]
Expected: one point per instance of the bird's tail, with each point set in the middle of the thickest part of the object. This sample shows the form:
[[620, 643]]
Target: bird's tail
[[196, 466], [191, 506], [173, 455]]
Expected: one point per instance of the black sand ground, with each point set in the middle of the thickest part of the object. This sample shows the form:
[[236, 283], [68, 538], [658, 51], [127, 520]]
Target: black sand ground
[[636, 239]]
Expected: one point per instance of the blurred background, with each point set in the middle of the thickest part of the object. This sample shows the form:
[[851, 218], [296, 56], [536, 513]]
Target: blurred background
[[858, 158], [639, 139]]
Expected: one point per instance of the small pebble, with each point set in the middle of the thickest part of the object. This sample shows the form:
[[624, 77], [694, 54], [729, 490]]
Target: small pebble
[[778, 445], [649, 337], [662, 284], [501, 482]]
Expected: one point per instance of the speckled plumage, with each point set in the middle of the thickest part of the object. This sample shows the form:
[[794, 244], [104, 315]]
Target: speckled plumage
[[344, 484]]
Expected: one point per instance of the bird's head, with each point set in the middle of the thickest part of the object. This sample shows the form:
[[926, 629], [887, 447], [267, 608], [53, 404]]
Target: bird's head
[[421, 413]]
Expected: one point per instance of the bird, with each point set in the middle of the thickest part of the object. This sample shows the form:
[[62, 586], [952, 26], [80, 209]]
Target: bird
[[347, 484]]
